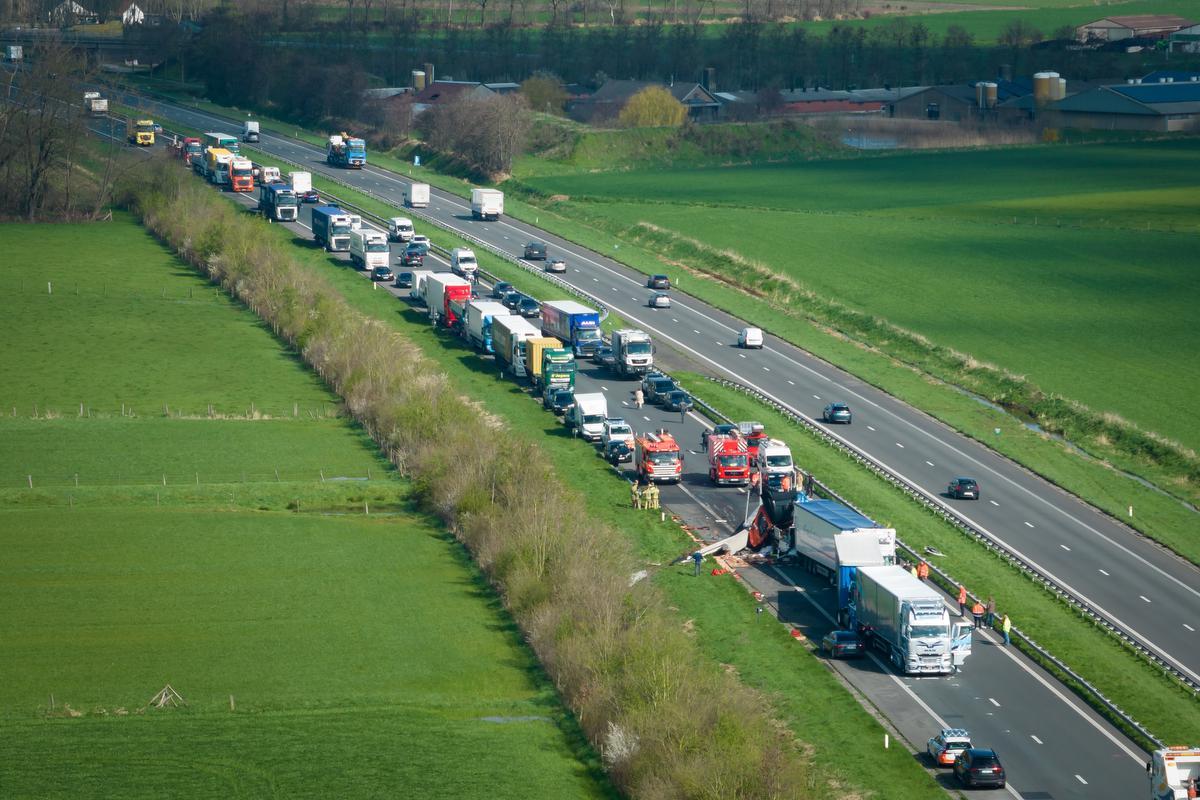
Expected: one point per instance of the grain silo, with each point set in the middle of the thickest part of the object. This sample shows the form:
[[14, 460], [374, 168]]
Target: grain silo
[[418, 80], [1042, 93], [1060, 88]]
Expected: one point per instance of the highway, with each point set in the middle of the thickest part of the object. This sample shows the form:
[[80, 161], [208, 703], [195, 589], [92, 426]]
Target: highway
[[1128, 579], [1052, 745]]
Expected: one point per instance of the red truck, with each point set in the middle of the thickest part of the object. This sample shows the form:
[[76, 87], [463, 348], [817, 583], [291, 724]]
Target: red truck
[[728, 460], [754, 433], [190, 149], [657, 457]]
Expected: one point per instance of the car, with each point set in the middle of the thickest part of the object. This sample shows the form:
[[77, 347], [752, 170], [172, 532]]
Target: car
[[979, 766], [842, 644], [658, 282], [724, 429], [500, 289], [963, 489], [557, 399], [837, 412], [419, 238], [750, 337], [616, 452], [657, 388], [945, 748], [382, 274], [535, 251], [310, 196], [616, 429], [528, 307], [605, 357], [404, 280], [157, 128], [599, 353], [413, 255], [556, 265], [677, 400], [512, 300], [659, 300]]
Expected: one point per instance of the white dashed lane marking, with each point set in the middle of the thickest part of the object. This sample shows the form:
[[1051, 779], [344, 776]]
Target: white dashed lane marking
[[1147, 599], [1064, 547], [1028, 524], [992, 700], [1036, 739], [1189, 627], [791, 383], [1104, 573], [993, 502], [899, 445], [870, 427], [930, 463], [1081, 780]]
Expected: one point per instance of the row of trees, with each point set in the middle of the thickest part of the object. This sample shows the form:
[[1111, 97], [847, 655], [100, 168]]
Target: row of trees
[[487, 132]]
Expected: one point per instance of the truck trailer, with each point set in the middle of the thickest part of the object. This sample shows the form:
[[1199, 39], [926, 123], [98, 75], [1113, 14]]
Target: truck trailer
[[487, 204], [277, 202], [574, 323], [94, 104], [216, 165], [509, 337], [633, 350], [250, 131], [331, 228], [906, 619], [368, 248], [346, 151], [440, 289], [417, 195], [301, 182], [480, 319], [225, 141]]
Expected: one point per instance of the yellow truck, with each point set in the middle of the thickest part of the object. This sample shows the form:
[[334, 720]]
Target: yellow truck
[[140, 132], [533, 356]]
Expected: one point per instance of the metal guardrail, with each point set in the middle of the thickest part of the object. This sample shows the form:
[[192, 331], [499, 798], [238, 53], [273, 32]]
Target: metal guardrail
[[948, 581]]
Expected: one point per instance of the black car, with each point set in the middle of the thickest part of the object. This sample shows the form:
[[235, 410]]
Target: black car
[[606, 357], [600, 352], [979, 766], [658, 282], [677, 400], [720, 430], [528, 307], [617, 451], [512, 300], [500, 289], [837, 412], [382, 274], [535, 251], [963, 489], [558, 400], [842, 644], [413, 255], [656, 389], [404, 280]]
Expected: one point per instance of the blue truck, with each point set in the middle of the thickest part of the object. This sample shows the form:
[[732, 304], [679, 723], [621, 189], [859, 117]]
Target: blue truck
[[835, 540], [277, 202], [572, 323], [345, 151], [331, 228]]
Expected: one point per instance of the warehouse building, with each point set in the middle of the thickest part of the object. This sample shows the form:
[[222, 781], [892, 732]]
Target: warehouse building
[[1140, 26], [1164, 107]]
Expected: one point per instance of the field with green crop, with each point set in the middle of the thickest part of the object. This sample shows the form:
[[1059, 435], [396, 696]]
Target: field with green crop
[[1075, 266], [322, 651]]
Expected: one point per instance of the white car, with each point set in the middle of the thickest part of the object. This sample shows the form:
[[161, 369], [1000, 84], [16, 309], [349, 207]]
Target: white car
[[750, 337], [660, 300], [616, 430], [556, 265], [420, 239]]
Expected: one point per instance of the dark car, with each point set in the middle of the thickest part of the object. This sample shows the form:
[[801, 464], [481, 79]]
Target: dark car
[[500, 289], [963, 489], [310, 196], [617, 451], [382, 274], [404, 280], [413, 255], [677, 400], [657, 388], [658, 282], [528, 307], [842, 644], [606, 357], [535, 251], [979, 766], [600, 352], [720, 430], [558, 400], [512, 300], [837, 412]]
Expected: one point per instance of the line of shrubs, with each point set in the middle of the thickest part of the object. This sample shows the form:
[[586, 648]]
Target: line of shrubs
[[667, 722]]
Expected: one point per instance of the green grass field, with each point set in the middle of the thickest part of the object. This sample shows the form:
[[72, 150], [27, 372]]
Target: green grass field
[[364, 654], [928, 241]]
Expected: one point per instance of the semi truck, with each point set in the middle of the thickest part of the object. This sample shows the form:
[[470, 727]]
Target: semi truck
[[463, 262], [191, 151], [480, 316], [440, 289], [94, 104], [250, 131], [588, 414], [140, 132], [728, 461], [345, 151], [509, 342], [906, 619], [833, 540], [216, 165], [417, 195], [368, 248], [241, 174], [633, 350], [657, 457], [487, 204], [554, 365], [277, 202], [331, 228], [1172, 771], [574, 323], [224, 141]]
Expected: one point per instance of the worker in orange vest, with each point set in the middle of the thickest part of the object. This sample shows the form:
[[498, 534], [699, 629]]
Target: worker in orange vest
[[962, 600], [977, 613], [923, 571]]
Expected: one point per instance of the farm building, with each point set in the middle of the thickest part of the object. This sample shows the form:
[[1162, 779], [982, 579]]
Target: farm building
[[445, 91], [1186, 40], [1165, 107], [71, 13], [954, 103], [1140, 26], [607, 101]]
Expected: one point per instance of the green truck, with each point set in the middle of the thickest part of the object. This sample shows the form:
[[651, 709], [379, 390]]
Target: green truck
[[557, 369]]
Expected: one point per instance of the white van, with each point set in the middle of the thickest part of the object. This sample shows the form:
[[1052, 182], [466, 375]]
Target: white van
[[462, 262], [750, 337], [400, 229], [588, 415]]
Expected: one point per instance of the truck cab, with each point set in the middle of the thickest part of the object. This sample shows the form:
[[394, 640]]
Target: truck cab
[[728, 460], [658, 458], [140, 132], [558, 367], [250, 131], [241, 174], [633, 351], [368, 248], [588, 416], [190, 150], [278, 202], [331, 227]]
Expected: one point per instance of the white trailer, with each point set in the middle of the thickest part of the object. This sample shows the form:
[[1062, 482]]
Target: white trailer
[[480, 317], [417, 195], [417, 290], [909, 621], [250, 131], [588, 414], [435, 292], [368, 248], [487, 204], [301, 182], [94, 104]]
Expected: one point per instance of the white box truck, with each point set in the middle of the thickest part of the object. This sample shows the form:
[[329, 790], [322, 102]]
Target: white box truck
[[487, 203], [301, 182], [417, 290], [250, 131], [508, 342], [368, 248], [908, 620], [462, 262], [417, 195], [481, 316], [400, 229], [587, 416], [633, 350]]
